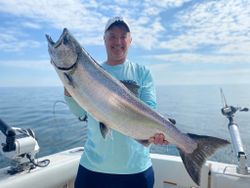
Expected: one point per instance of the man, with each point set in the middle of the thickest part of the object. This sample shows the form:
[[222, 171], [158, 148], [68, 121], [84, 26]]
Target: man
[[117, 161]]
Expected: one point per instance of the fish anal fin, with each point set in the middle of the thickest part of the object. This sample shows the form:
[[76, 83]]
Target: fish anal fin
[[105, 131]]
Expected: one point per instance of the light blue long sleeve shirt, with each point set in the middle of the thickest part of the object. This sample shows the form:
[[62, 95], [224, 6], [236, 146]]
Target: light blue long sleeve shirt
[[117, 154]]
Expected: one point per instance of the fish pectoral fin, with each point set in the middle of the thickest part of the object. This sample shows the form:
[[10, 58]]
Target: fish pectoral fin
[[69, 79], [105, 131], [146, 143]]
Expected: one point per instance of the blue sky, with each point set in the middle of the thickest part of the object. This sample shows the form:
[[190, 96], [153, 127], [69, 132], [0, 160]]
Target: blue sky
[[181, 41]]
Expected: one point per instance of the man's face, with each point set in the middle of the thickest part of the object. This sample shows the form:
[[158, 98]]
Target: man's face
[[117, 41]]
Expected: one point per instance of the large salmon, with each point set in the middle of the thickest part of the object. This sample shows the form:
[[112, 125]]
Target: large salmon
[[115, 106]]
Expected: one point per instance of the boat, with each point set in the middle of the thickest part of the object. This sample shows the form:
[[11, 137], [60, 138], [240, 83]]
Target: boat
[[59, 170], [169, 173]]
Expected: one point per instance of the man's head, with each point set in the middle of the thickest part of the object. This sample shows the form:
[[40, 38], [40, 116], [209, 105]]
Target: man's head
[[117, 40]]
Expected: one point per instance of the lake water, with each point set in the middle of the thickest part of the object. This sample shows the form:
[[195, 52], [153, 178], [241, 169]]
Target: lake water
[[196, 109]]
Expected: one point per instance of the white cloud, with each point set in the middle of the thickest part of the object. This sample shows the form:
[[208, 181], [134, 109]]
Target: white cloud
[[58, 14], [31, 25], [211, 23], [10, 41], [184, 58], [31, 81], [27, 64], [88, 17], [163, 74], [218, 27]]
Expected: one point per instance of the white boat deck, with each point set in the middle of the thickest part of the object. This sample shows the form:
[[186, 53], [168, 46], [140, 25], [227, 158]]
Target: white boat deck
[[169, 173]]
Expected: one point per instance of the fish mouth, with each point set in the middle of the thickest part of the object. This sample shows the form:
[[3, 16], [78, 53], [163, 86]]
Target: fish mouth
[[59, 41], [63, 40]]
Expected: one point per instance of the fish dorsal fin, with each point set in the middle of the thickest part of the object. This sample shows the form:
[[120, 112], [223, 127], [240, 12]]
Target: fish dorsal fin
[[132, 86]]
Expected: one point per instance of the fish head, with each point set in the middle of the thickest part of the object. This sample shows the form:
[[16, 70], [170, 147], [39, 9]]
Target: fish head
[[64, 52]]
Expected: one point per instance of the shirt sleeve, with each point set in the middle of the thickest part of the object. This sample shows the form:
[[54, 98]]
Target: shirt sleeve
[[74, 107], [148, 91]]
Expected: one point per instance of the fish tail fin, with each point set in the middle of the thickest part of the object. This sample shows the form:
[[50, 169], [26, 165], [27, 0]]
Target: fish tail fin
[[206, 146]]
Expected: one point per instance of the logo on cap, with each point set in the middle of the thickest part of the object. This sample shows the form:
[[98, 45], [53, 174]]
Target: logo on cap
[[118, 20]]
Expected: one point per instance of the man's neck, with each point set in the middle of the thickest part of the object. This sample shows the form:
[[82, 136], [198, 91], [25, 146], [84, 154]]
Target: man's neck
[[114, 62]]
